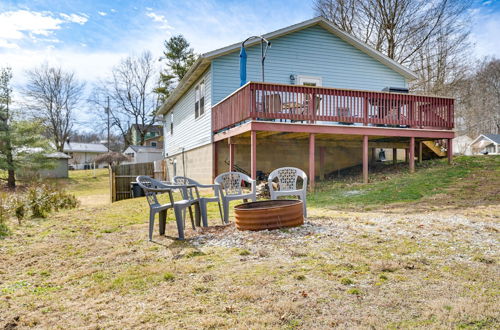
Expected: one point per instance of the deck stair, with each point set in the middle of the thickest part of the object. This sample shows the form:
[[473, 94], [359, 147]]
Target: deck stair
[[237, 168], [432, 149]]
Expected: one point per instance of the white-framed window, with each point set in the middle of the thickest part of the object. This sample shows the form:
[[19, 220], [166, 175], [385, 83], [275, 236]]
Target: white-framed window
[[199, 99], [309, 80], [153, 144], [172, 122]]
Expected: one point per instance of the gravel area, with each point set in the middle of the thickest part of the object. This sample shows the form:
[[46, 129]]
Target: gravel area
[[483, 235]]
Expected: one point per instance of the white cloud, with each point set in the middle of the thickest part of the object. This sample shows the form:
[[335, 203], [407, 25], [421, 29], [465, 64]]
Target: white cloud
[[160, 19], [20, 24], [14, 24], [113, 10], [102, 13], [74, 18], [6, 44]]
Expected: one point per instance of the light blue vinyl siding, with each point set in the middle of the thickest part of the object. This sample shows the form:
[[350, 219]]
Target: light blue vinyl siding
[[189, 132], [310, 52]]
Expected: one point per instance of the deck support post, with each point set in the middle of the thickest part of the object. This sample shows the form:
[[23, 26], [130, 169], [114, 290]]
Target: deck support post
[[420, 144], [322, 163], [231, 156], [365, 158], [407, 155], [394, 156], [312, 162], [450, 151], [253, 154], [215, 161], [412, 155]]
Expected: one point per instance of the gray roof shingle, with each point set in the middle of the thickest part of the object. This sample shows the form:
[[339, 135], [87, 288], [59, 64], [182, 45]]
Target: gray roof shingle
[[493, 137]]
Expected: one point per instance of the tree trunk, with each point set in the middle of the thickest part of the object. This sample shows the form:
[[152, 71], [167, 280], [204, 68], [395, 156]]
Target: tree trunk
[[11, 179]]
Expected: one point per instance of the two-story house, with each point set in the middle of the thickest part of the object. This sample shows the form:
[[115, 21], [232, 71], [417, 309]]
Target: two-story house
[[324, 104], [152, 135]]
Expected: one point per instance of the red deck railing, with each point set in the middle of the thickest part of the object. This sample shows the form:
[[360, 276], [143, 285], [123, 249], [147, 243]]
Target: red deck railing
[[266, 101]]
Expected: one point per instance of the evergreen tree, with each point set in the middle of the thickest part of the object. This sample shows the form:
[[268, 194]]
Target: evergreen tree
[[22, 146], [179, 58]]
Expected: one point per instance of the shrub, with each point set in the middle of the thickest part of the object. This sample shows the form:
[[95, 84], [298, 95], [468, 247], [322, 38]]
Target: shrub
[[4, 230], [17, 206], [44, 199], [39, 201]]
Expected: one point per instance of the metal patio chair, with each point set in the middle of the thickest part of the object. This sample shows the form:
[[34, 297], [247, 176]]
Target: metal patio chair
[[153, 187], [203, 200], [287, 184], [230, 183]]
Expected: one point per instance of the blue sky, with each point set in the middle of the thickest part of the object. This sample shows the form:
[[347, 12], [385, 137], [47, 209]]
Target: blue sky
[[91, 36]]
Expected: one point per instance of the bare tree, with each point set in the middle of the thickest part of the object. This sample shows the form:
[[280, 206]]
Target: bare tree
[[478, 109], [53, 95], [430, 37], [131, 94]]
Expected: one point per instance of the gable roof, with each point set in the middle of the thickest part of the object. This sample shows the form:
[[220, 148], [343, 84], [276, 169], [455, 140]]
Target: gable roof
[[58, 155], [203, 62], [493, 137], [84, 147]]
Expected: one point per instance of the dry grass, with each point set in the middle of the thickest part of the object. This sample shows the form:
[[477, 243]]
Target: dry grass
[[93, 268]]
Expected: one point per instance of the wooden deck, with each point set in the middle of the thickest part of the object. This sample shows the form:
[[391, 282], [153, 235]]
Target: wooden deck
[[370, 119]]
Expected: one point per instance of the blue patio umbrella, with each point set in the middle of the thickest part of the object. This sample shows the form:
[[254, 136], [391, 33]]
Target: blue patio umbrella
[[243, 66]]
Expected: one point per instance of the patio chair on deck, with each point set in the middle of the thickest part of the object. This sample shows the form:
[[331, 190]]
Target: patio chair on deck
[[230, 183], [153, 187], [203, 200], [287, 184]]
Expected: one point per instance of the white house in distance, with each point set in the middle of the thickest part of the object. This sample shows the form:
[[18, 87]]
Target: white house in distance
[[83, 154], [486, 144], [142, 154]]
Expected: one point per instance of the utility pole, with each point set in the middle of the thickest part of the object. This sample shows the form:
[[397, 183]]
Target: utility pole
[[107, 112]]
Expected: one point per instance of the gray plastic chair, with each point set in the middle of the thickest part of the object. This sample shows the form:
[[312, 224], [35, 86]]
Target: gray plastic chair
[[203, 200], [287, 184], [153, 187], [230, 183]]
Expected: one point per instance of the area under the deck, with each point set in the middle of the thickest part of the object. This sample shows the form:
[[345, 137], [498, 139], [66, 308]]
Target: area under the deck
[[335, 147]]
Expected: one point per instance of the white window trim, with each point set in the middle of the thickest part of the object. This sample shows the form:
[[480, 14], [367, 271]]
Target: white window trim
[[303, 77], [197, 86], [171, 122]]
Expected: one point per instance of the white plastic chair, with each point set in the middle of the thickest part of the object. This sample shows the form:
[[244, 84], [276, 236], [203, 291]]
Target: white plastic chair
[[287, 184], [230, 183], [203, 200]]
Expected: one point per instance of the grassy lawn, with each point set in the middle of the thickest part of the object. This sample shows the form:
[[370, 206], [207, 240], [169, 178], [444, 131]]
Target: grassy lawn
[[405, 251]]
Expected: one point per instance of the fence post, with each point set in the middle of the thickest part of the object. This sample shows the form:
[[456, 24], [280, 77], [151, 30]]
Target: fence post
[[112, 184]]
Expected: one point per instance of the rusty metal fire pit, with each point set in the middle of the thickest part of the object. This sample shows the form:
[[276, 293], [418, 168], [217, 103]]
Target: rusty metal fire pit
[[271, 214]]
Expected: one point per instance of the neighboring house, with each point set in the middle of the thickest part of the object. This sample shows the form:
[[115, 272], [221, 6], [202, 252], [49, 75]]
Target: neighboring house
[[83, 154], [486, 144], [152, 131], [142, 154], [321, 108], [155, 141], [461, 145]]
